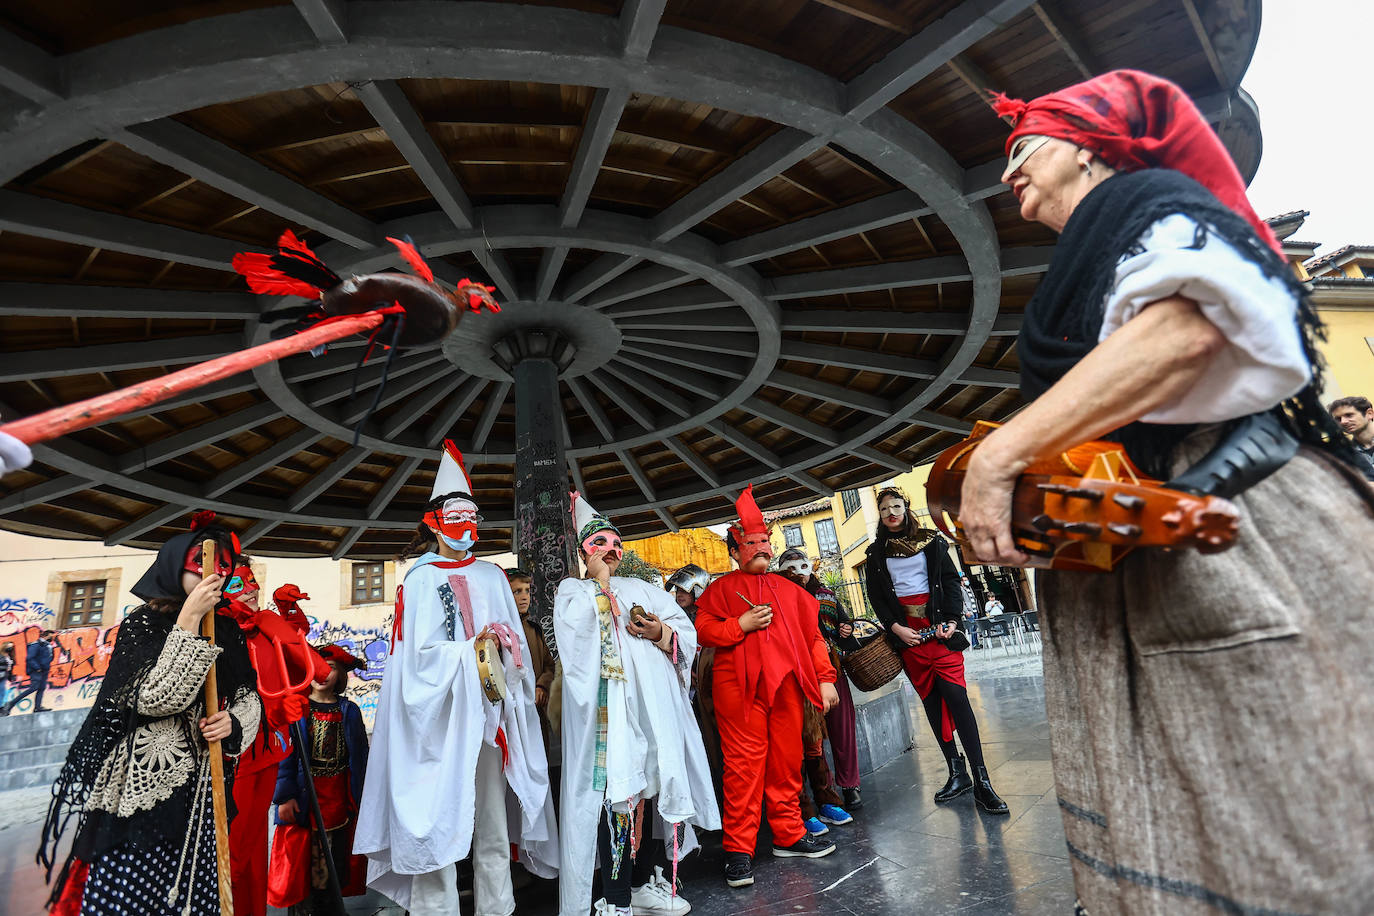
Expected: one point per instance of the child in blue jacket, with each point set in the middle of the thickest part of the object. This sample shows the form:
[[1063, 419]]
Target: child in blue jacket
[[336, 745]]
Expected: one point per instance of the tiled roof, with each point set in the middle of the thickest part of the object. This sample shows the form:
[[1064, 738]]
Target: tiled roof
[[1339, 253], [1285, 217], [819, 505]]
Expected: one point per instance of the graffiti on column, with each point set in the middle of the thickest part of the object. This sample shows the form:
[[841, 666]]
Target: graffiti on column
[[543, 523]]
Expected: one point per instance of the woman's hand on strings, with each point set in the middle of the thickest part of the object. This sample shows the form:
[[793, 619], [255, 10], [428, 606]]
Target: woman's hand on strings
[[985, 507], [907, 635]]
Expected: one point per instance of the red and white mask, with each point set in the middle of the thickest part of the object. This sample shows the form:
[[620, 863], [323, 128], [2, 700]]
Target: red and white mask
[[456, 520]]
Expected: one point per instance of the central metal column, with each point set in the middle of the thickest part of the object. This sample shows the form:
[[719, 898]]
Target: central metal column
[[544, 538]]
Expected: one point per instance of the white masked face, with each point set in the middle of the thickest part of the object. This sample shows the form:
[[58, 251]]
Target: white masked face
[[797, 566]]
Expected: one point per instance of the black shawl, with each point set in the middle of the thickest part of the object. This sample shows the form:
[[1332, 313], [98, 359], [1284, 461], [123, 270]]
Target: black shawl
[[1064, 317], [114, 717]]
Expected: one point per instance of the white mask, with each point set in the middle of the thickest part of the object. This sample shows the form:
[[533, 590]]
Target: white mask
[[799, 566]]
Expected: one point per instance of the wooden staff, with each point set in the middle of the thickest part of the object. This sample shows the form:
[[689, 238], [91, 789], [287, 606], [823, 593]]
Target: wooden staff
[[207, 629], [93, 411]]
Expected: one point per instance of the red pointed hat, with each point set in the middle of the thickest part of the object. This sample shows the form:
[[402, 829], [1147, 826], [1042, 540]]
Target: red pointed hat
[[1132, 121], [750, 516]]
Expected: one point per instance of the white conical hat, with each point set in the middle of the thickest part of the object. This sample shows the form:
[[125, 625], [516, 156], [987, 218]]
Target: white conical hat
[[452, 476], [584, 515]]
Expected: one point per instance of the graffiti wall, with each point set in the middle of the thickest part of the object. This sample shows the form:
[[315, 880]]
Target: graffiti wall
[[82, 654], [368, 641], [80, 657]]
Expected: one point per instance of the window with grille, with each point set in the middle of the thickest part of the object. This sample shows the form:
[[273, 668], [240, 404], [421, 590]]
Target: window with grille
[[850, 500], [826, 538], [367, 583], [792, 535], [83, 604]]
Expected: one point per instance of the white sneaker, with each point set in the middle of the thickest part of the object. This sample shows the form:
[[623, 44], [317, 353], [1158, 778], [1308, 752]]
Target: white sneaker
[[656, 897], [605, 909]]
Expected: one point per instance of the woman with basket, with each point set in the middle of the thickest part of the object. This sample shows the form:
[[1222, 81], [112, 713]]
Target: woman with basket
[[913, 586]]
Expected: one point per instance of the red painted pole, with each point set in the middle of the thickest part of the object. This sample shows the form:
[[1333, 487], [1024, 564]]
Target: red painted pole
[[93, 411]]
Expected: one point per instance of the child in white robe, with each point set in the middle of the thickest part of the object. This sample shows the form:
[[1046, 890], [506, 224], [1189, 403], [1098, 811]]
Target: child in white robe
[[633, 761], [451, 772]]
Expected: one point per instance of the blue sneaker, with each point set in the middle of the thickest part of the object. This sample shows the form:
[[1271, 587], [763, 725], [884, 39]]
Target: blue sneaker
[[834, 814], [815, 828]]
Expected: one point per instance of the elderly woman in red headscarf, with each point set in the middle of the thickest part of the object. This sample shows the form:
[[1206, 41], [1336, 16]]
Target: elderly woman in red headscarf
[[1209, 713]]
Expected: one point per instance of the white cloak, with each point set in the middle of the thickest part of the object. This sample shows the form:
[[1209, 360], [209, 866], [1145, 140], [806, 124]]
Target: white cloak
[[417, 810], [653, 746]]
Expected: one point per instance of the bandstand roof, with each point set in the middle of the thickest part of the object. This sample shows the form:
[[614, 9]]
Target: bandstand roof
[[772, 230]]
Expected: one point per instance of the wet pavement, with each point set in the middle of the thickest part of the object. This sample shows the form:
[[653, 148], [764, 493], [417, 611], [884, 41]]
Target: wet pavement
[[902, 854]]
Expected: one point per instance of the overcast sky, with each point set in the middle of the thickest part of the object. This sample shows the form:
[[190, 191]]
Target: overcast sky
[[1309, 78]]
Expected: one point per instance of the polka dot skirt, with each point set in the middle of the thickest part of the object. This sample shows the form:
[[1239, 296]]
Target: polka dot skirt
[[129, 881]]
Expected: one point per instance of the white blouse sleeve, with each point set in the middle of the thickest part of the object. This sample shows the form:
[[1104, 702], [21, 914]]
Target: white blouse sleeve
[[1263, 362]]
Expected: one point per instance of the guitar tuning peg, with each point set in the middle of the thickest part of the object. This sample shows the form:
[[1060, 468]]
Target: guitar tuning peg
[[1068, 491], [1125, 531], [1091, 529], [1128, 501]]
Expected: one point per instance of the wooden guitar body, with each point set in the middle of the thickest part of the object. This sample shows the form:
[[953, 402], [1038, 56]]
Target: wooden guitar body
[[1085, 508]]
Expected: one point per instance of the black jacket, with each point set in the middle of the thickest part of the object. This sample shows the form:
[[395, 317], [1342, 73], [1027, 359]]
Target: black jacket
[[946, 600]]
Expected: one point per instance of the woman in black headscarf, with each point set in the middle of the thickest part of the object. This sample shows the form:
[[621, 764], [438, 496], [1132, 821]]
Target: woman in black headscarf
[[137, 777]]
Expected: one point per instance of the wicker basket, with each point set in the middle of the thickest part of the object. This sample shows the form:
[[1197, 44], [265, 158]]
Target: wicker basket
[[873, 664]]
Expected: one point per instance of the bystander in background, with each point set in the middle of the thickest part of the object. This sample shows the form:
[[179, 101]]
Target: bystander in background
[[1356, 417], [37, 663]]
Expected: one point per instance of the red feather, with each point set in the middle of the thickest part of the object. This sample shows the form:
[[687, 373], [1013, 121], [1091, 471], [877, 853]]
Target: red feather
[[413, 258], [263, 278], [290, 242]]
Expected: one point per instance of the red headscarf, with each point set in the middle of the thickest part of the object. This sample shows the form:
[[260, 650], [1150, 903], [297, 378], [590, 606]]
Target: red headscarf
[[1131, 121]]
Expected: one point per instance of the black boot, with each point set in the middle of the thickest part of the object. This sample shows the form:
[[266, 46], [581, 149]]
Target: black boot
[[853, 801], [959, 781], [987, 799]]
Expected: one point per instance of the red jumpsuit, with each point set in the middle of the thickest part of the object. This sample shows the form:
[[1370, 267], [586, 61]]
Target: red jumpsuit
[[254, 781], [760, 682]]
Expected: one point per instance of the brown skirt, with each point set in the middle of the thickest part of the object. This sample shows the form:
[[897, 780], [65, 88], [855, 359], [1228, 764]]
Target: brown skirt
[[1212, 717]]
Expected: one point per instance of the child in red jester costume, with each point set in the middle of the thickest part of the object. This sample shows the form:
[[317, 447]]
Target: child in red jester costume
[[770, 660], [448, 763]]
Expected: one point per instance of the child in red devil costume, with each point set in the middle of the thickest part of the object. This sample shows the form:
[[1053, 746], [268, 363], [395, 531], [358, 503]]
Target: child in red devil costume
[[256, 776], [337, 755], [770, 660]]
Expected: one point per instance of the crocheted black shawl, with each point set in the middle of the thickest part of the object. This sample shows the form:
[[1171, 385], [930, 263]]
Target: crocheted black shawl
[[1064, 317], [114, 717]]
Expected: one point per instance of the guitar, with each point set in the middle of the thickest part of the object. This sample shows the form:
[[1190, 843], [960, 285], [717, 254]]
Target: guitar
[[865, 630], [1086, 508]]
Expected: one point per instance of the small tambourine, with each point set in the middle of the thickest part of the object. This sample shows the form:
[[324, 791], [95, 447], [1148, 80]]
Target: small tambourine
[[489, 670]]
